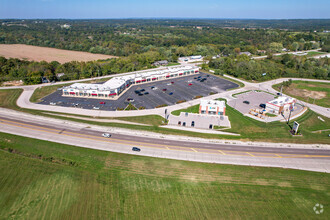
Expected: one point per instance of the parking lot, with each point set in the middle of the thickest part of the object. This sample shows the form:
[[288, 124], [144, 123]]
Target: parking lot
[[152, 95], [252, 100]]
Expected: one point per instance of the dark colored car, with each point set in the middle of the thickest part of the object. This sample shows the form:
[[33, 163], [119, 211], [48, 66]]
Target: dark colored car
[[146, 93], [172, 82], [278, 93], [262, 105], [142, 90], [136, 149], [164, 90], [140, 94], [171, 93], [246, 102], [152, 87], [137, 91], [207, 75]]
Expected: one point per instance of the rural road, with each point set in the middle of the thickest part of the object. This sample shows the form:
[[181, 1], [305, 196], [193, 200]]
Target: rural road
[[89, 136]]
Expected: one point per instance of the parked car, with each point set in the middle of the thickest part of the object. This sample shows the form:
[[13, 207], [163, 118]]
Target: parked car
[[137, 91], [190, 84], [172, 82], [164, 90], [168, 84], [246, 102], [136, 149], [130, 100], [96, 108], [207, 75], [154, 88], [140, 94], [142, 90], [171, 93], [52, 103], [262, 105], [107, 135], [146, 93], [102, 103]]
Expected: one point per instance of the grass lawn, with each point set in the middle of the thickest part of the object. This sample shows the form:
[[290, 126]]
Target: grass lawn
[[314, 53], [250, 129], [41, 92], [191, 109], [44, 180], [307, 91]]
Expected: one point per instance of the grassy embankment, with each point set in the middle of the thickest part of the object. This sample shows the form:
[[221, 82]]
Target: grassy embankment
[[45, 180], [307, 91], [249, 129]]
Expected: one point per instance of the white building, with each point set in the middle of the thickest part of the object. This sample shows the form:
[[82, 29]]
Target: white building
[[116, 85], [280, 104], [212, 107]]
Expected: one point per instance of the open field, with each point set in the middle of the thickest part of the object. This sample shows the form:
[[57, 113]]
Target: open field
[[311, 127], [45, 180], [35, 53], [317, 93]]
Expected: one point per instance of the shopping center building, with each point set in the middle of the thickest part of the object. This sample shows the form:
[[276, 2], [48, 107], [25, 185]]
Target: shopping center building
[[116, 85]]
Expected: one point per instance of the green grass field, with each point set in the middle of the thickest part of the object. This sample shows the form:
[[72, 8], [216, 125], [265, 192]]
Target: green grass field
[[44, 180], [307, 91], [314, 53]]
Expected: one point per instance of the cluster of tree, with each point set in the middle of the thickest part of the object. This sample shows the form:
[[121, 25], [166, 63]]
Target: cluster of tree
[[33, 72], [170, 38], [261, 70]]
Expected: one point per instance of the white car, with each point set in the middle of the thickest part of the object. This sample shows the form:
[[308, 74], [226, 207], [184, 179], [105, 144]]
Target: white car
[[52, 103], [169, 84], [96, 108], [107, 135]]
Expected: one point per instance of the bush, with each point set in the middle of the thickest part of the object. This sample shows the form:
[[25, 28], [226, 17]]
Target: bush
[[180, 101]]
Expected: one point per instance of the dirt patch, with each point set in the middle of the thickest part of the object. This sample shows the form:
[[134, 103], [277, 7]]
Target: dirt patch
[[35, 53], [306, 93]]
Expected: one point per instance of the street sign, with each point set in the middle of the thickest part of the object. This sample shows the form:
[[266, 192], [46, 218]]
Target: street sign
[[295, 127]]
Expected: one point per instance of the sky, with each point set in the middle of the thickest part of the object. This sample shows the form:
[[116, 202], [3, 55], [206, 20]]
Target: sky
[[81, 9]]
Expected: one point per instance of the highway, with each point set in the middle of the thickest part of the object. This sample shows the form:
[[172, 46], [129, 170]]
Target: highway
[[89, 136]]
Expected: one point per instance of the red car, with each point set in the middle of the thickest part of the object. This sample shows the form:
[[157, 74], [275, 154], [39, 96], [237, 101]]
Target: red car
[[164, 90], [102, 103], [190, 84], [172, 82]]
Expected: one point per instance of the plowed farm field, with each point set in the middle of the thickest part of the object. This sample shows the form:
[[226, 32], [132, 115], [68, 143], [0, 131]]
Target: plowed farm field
[[35, 53]]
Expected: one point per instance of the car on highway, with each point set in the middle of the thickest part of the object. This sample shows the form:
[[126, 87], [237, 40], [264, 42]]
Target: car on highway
[[246, 102], [96, 108], [168, 84], [190, 84], [52, 103], [136, 149], [107, 135], [102, 103]]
